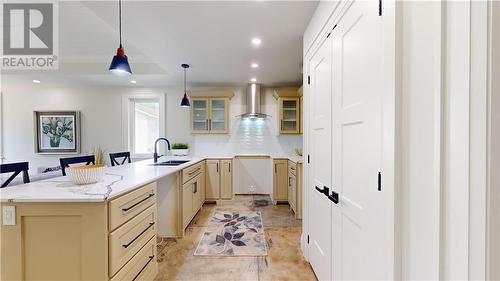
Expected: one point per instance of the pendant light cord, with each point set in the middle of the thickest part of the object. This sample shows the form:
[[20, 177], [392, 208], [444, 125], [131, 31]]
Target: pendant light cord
[[120, 20], [185, 81]]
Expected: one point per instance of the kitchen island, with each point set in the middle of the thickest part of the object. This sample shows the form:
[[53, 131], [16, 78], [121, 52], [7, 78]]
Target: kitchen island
[[56, 230]]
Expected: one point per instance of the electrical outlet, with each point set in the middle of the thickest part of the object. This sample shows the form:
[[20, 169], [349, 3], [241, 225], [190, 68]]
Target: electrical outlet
[[9, 215], [252, 188]]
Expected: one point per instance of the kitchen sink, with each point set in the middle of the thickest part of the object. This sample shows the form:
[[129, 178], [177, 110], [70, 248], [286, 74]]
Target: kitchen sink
[[170, 163]]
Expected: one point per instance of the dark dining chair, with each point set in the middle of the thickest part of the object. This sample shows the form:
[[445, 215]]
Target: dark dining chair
[[114, 158], [16, 169], [65, 162]]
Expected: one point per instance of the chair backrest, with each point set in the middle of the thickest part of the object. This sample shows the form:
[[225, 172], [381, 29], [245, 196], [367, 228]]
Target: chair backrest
[[114, 158], [65, 162], [15, 168]]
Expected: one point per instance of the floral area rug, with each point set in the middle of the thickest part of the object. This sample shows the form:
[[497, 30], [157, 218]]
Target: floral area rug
[[233, 234]]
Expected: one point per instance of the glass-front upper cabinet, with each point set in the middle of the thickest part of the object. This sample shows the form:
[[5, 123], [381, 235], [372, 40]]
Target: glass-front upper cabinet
[[218, 115], [199, 115], [209, 115], [289, 115]]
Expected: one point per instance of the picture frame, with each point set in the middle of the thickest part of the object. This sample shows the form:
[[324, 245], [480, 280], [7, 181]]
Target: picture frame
[[57, 132]]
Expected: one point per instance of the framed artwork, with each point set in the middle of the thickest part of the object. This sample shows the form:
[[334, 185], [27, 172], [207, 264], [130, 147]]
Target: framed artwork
[[57, 132]]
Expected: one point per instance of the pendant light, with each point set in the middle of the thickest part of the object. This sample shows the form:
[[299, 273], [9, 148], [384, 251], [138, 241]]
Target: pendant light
[[119, 64], [185, 100]]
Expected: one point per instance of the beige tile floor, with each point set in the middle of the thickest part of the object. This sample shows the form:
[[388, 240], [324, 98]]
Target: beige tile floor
[[284, 260]]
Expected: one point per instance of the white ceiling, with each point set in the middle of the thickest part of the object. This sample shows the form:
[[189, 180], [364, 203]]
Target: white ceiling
[[213, 37]]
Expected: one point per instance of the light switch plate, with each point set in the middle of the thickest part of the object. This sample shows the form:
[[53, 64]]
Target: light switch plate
[[9, 215]]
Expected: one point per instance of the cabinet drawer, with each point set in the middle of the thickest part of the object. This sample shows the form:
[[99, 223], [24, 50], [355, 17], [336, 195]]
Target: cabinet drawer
[[192, 171], [128, 239], [129, 205], [142, 266], [292, 167]]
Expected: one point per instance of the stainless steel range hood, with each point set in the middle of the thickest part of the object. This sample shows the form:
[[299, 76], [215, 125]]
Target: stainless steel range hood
[[253, 102]]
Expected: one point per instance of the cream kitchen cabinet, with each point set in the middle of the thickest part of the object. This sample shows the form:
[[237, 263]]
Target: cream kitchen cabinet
[[219, 179], [209, 115], [212, 180], [295, 188], [193, 192], [280, 180], [226, 179], [289, 113], [110, 240]]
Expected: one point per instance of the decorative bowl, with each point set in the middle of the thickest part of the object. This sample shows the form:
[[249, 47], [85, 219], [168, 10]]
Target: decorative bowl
[[86, 174]]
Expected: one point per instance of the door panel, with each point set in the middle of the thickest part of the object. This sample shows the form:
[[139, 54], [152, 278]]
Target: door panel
[[187, 203], [280, 178], [212, 188], [202, 187], [226, 179], [360, 245], [321, 160], [196, 196]]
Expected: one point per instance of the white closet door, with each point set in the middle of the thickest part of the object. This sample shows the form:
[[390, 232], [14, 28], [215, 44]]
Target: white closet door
[[320, 67], [362, 244]]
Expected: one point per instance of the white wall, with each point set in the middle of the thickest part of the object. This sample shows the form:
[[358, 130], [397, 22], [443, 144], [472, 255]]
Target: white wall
[[101, 112], [494, 157], [101, 118], [478, 140]]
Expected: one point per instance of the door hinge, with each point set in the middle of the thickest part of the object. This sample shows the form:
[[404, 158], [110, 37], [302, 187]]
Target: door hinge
[[328, 35], [379, 8], [307, 239], [379, 181], [308, 159], [308, 80]]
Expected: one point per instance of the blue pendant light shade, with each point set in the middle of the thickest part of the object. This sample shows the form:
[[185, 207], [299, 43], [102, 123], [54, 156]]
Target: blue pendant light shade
[[119, 64], [185, 100]]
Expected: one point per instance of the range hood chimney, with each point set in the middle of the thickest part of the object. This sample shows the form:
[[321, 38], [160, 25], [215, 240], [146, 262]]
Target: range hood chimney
[[253, 102]]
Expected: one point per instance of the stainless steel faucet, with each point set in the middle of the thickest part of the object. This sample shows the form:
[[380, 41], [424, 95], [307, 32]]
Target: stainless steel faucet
[[155, 155]]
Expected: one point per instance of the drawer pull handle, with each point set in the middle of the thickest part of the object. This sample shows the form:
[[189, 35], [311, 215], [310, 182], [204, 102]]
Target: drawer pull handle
[[140, 234], [144, 267], [128, 209], [194, 172]]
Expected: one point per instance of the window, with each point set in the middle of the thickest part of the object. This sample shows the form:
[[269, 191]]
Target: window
[[144, 123]]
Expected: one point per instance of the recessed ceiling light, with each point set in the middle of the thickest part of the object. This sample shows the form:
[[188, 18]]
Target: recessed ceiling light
[[133, 81], [255, 65], [36, 81], [256, 41], [253, 80]]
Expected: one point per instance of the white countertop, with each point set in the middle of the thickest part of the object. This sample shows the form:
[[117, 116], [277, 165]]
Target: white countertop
[[117, 181], [297, 159]]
